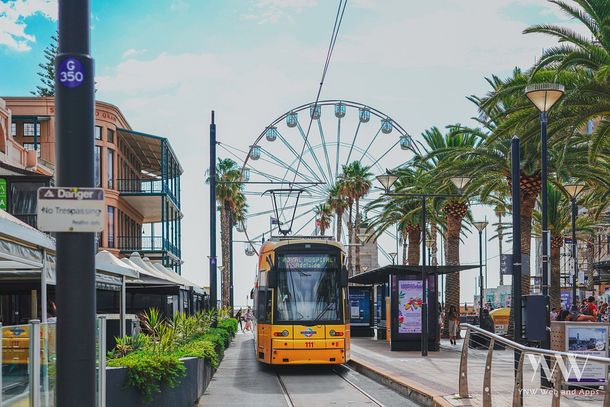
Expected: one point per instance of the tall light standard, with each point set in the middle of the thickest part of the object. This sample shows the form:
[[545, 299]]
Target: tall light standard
[[574, 189], [481, 225], [499, 213], [387, 180], [544, 96], [393, 256]]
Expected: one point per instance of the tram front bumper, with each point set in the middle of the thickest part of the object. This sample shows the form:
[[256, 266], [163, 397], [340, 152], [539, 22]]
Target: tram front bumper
[[298, 352]]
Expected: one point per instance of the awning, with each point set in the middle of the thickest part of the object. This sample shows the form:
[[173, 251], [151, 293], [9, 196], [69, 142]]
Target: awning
[[148, 149], [176, 277], [106, 262], [147, 275], [380, 275]]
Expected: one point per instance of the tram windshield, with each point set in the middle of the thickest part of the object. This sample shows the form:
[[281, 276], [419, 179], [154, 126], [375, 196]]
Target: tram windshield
[[308, 288]]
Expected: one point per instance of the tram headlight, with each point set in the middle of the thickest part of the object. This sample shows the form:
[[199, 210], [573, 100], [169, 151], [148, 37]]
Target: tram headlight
[[283, 333], [335, 333]]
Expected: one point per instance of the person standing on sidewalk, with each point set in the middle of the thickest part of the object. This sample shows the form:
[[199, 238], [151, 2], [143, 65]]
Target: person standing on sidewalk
[[454, 320], [240, 317]]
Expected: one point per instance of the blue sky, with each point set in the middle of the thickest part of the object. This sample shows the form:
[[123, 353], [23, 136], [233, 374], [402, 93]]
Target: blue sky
[[167, 63]]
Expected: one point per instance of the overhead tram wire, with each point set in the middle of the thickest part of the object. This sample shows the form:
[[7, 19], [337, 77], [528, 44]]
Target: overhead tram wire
[[331, 47]]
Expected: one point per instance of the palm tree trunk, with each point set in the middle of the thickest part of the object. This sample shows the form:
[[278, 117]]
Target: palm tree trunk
[[452, 282], [555, 288], [357, 246], [414, 246], [339, 224], [434, 242], [224, 239]]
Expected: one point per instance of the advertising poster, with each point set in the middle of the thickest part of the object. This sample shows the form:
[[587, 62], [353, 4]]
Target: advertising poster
[[587, 340], [360, 306], [409, 306], [566, 299]]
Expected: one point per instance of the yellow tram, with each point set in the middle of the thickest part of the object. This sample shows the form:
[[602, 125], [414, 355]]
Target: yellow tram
[[300, 302]]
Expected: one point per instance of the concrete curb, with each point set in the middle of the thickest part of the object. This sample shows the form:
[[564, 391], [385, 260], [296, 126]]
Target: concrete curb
[[413, 391]]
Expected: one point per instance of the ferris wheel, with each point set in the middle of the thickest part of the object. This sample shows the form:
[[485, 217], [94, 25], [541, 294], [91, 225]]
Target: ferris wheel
[[301, 154]]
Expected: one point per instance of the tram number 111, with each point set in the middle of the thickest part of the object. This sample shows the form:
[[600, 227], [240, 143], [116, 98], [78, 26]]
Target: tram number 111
[[309, 344]]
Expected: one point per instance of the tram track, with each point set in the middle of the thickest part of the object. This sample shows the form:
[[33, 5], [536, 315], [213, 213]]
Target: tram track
[[332, 385]]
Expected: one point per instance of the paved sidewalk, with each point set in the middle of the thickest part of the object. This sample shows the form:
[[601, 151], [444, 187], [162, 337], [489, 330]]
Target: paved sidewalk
[[437, 375], [241, 380]]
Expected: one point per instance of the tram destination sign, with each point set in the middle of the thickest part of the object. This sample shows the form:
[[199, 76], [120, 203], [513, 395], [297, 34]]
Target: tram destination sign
[[71, 209]]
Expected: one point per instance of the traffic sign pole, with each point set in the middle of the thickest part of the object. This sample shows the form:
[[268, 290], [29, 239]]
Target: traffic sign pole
[[75, 289]]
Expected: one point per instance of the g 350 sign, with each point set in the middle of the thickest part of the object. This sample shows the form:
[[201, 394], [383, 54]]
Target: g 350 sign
[[71, 73]]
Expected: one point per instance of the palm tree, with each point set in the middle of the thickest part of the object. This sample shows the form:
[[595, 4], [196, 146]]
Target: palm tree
[[323, 213], [338, 203], [356, 184], [233, 207]]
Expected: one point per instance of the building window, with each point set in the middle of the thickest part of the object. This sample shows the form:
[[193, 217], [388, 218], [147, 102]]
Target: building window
[[14, 129], [28, 129], [30, 147], [98, 167], [98, 132], [111, 227], [110, 136], [110, 165]]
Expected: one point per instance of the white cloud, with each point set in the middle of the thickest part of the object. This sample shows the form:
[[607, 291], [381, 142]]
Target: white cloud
[[272, 11], [132, 52], [179, 5], [13, 25]]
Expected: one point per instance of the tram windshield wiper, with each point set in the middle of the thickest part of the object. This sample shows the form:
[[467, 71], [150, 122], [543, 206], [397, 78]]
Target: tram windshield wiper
[[316, 319]]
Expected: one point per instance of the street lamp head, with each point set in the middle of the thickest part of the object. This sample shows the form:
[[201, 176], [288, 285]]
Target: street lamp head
[[460, 182], [429, 242], [387, 180], [574, 188], [500, 211], [544, 95], [480, 225]]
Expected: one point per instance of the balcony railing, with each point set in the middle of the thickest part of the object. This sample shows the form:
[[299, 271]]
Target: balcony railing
[[146, 186], [140, 186], [146, 244]]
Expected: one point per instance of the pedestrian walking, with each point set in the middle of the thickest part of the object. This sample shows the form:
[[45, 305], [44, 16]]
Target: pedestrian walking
[[249, 318], [240, 318], [454, 320]]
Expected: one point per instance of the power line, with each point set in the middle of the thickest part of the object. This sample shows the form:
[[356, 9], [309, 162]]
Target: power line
[[331, 47]]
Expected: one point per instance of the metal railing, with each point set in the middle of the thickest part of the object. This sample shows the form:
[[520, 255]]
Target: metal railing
[[517, 394], [140, 186], [146, 244]]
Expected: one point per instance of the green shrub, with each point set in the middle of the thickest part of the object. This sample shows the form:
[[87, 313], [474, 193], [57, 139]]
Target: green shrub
[[223, 333], [147, 371], [229, 325], [199, 348]]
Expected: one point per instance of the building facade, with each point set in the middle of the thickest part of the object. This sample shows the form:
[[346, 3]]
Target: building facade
[[139, 172]]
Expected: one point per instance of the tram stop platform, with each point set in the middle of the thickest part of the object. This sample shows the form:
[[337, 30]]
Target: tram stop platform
[[434, 380]]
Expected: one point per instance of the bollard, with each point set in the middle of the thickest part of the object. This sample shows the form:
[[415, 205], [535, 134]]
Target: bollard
[[34, 363], [487, 377], [463, 384]]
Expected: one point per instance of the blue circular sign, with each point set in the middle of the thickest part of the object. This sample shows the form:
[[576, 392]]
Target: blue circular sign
[[71, 73]]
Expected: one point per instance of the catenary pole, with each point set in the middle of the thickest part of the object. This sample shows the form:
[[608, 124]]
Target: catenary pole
[[75, 289], [212, 258]]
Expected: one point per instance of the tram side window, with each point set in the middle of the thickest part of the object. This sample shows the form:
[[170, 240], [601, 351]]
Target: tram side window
[[263, 305]]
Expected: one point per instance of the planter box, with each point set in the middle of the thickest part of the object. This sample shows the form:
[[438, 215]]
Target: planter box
[[185, 394]]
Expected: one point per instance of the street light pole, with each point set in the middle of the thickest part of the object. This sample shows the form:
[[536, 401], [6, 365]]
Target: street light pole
[[575, 259], [480, 227], [212, 259], [75, 288], [424, 277]]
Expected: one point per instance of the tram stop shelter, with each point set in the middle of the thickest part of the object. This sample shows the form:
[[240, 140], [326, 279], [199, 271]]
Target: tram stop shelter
[[398, 294]]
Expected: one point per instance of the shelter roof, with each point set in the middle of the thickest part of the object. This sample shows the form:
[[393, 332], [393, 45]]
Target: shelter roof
[[381, 274]]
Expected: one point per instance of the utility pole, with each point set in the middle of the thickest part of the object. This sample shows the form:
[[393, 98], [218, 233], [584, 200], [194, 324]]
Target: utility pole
[[75, 289], [516, 198], [212, 258]]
